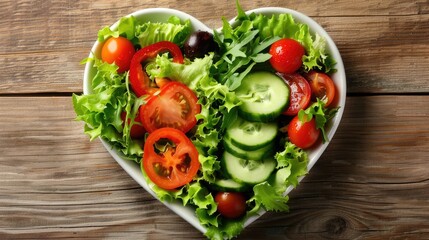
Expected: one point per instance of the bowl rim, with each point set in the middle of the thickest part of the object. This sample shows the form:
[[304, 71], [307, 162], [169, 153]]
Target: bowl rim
[[340, 81]]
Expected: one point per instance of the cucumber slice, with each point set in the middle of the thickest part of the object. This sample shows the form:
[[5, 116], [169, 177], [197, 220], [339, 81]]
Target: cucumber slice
[[228, 185], [251, 135], [248, 171], [264, 95], [257, 154]]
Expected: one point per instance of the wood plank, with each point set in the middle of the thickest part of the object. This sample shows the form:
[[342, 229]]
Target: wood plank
[[47, 191], [383, 43], [371, 182]]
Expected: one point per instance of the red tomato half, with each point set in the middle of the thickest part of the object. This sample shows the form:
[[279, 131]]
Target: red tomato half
[[303, 135], [137, 130], [300, 92], [322, 86], [231, 204], [174, 105], [174, 165], [286, 55], [119, 51]]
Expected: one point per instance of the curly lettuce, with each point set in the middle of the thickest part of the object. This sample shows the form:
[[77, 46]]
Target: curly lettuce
[[243, 47], [217, 107], [321, 113], [285, 26], [101, 110], [216, 99], [147, 33]]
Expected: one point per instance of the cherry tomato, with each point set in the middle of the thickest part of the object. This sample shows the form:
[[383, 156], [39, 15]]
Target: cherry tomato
[[286, 55], [303, 135], [174, 105], [119, 51], [173, 165], [137, 130], [322, 86], [231, 204], [300, 92], [139, 81]]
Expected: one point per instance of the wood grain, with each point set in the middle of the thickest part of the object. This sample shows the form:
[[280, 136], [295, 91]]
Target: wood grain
[[383, 43], [371, 183]]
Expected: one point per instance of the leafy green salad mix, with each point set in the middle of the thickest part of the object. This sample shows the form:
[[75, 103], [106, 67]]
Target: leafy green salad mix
[[216, 79]]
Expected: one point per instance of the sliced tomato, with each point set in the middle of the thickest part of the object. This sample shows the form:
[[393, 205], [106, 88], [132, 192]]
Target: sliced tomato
[[303, 134], [322, 86], [137, 130], [174, 105], [170, 159], [300, 92], [139, 81]]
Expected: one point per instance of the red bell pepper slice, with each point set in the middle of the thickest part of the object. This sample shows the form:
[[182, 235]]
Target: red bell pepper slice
[[140, 82]]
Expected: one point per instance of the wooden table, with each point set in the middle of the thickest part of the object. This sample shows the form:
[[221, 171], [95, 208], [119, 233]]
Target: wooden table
[[371, 183]]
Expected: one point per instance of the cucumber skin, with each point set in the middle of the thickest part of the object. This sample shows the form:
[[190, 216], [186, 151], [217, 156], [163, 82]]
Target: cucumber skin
[[265, 118], [246, 154], [247, 113], [217, 186], [246, 147], [239, 180]]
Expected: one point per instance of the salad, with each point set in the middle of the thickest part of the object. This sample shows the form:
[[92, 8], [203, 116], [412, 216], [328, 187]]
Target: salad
[[219, 121]]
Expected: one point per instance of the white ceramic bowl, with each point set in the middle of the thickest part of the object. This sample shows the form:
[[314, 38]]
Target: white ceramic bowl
[[161, 15]]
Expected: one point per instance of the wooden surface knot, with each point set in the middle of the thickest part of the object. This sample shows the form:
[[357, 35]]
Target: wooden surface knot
[[336, 225]]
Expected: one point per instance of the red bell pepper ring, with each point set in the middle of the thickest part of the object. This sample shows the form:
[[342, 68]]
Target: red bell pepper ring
[[140, 82]]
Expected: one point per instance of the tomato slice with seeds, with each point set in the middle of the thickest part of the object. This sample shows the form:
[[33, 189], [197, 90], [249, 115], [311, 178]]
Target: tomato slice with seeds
[[170, 159], [174, 105], [300, 92], [322, 86]]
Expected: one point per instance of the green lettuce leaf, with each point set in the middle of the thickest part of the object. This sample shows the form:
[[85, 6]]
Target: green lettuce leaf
[[295, 160], [241, 49], [144, 34], [200, 197], [216, 101], [291, 165], [173, 31], [189, 73], [218, 108], [280, 26], [101, 110], [126, 28], [227, 230], [321, 114], [284, 26], [268, 196]]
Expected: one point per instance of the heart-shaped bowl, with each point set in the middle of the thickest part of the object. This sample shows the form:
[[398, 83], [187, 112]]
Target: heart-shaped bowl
[[162, 15]]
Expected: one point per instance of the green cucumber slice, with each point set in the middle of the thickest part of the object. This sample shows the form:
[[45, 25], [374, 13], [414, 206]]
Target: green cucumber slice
[[257, 154], [251, 135], [229, 185], [264, 95], [248, 171]]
